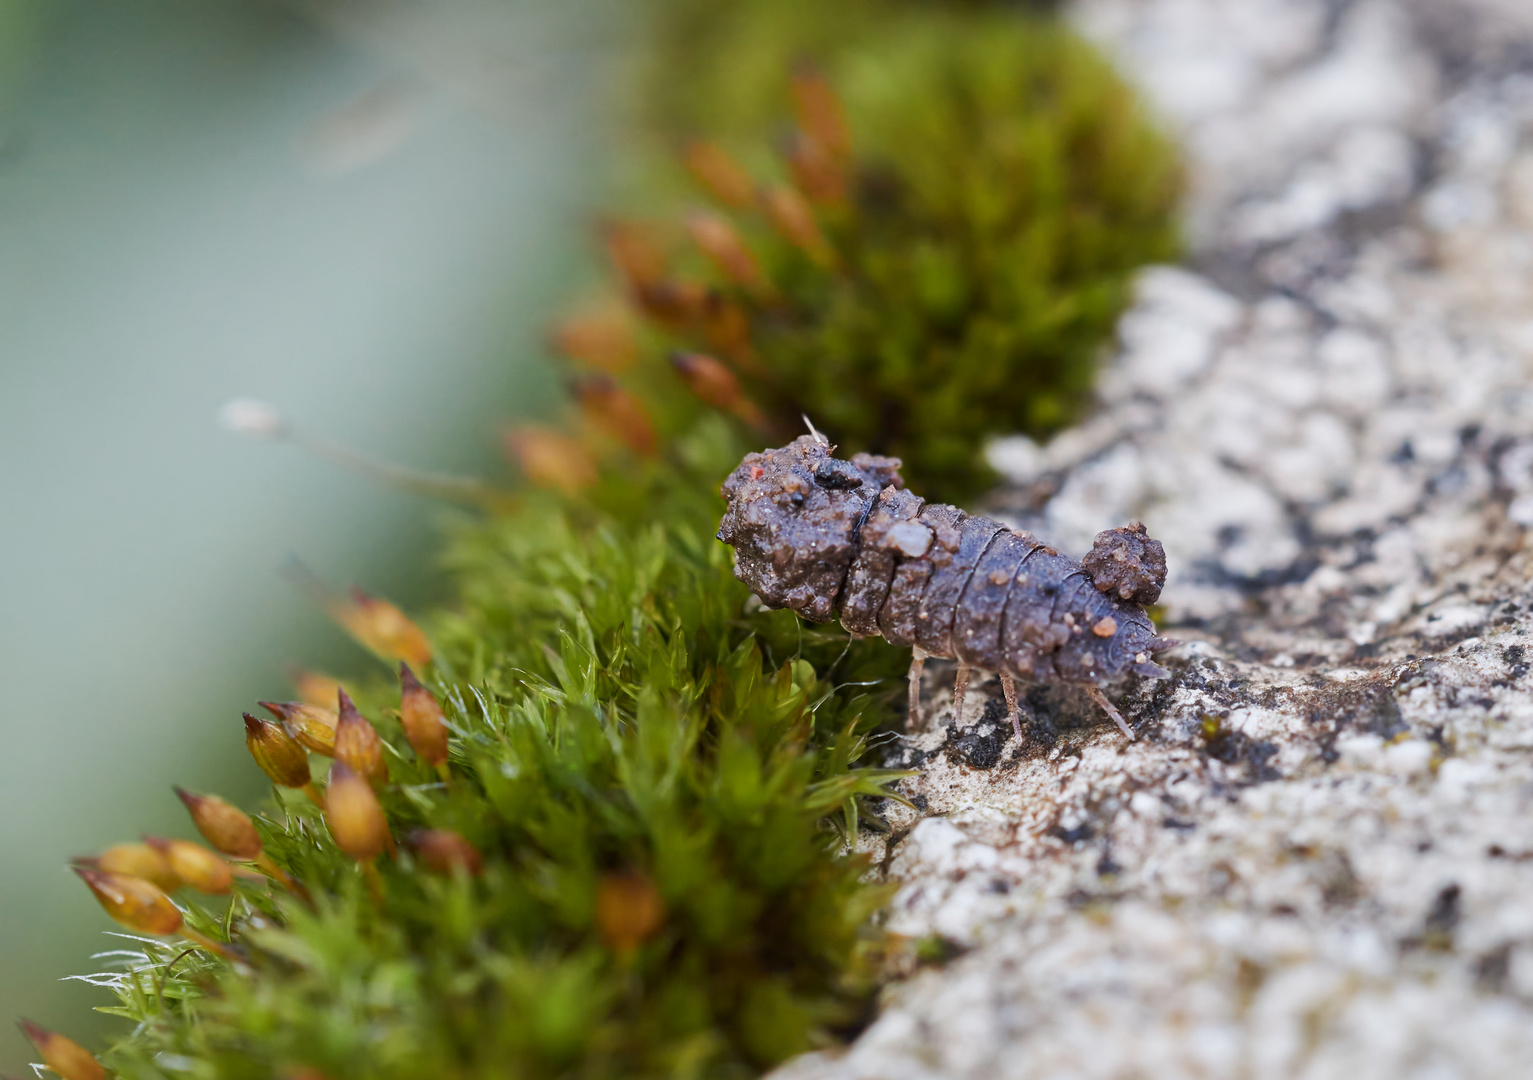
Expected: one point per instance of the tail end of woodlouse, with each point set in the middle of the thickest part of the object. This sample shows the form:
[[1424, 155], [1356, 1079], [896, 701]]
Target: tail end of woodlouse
[[1127, 564]]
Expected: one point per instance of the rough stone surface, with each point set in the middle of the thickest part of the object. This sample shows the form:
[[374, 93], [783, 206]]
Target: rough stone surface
[[1317, 859]]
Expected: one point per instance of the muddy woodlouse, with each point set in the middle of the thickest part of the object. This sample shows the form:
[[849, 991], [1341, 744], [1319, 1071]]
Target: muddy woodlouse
[[825, 537]]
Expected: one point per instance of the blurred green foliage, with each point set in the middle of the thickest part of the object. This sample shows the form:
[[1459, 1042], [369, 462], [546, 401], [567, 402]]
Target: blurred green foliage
[[1003, 187], [722, 70], [21, 26]]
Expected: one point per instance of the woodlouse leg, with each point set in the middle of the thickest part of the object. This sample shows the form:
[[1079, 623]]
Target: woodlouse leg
[[1108, 707], [917, 662], [1013, 712], [960, 691]]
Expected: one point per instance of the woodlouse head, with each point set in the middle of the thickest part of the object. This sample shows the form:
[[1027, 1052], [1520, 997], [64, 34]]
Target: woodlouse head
[[793, 517], [1134, 645]]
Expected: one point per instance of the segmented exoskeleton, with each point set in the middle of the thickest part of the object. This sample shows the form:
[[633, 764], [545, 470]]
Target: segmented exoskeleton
[[826, 537]]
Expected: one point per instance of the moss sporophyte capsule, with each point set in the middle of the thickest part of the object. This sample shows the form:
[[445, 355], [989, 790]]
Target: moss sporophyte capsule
[[357, 744], [134, 902], [356, 819], [195, 865], [64, 1056], [281, 757], [389, 632], [445, 852], [312, 725], [140, 860], [224, 825], [421, 717], [143, 907]]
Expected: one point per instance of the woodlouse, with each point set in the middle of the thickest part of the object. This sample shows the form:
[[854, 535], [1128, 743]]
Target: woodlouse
[[824, 537]]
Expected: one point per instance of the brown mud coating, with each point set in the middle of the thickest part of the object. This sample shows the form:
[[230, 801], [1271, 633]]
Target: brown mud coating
[[1127, 564], [825, 537]]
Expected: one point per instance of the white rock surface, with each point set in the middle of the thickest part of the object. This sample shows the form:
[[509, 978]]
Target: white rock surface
[[1317, 859]]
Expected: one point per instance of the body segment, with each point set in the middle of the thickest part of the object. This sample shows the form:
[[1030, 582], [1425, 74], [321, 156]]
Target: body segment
[[950, 581], [977, 623], [871, 573]]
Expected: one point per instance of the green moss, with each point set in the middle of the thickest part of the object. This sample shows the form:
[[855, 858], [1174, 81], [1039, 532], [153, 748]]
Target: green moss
[[617, 711], [1004, 187], [723, 69]]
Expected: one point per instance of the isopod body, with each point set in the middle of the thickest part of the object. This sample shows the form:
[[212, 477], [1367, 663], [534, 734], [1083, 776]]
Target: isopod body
[[827, 537]]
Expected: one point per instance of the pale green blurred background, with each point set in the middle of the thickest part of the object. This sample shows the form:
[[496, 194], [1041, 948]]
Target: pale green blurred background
[[362, 211]]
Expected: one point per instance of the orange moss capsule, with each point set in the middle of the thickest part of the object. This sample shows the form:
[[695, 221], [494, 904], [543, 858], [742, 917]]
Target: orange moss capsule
[[354, 814], [225, 826], [357, 744], [718, 173], [817, 108], [443, 851], [629, 910], [195, 865], [634, 253], [718, 240], [715, 385], [134, 902], [711, 381], [552, 459], [64, 1056], [421, 716], [278, 754], [312, 726], [727, 329], [316, 688], [793, 218], [672, 304], [816, 171], [617, 413], [136, 860], [381, 627], [602, 336]]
